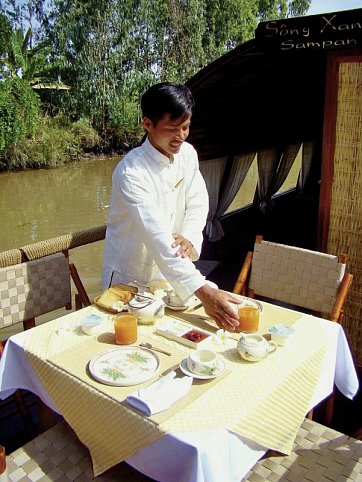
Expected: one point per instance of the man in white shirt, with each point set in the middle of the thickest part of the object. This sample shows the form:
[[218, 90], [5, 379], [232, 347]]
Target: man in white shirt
[[159, 205]]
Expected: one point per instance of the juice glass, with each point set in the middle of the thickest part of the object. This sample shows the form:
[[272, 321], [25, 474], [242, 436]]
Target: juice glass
[[248, 318], [125, 329]]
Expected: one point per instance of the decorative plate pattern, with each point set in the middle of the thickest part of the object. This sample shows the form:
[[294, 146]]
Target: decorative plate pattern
[[216, 373], [124, 366]]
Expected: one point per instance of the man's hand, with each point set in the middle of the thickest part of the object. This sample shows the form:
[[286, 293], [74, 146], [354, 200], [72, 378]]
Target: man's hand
[[217, 305], [185, 246]]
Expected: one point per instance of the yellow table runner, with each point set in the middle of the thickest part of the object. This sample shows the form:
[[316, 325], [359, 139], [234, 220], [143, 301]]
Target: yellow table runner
[[264, 401], [75, 363]]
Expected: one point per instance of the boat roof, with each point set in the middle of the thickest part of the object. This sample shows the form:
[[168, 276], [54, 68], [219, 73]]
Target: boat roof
[[262, 94]]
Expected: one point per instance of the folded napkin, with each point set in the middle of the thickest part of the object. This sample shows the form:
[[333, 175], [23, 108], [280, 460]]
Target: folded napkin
[[160, 395]]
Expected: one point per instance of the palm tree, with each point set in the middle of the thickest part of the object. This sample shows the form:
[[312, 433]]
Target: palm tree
[[31, 64]]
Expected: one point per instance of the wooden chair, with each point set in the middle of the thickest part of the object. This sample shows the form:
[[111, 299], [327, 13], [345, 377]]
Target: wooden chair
[[28, 290], [309, 280]]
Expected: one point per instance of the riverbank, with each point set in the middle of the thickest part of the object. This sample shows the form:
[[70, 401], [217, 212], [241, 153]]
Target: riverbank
[[56, 141]]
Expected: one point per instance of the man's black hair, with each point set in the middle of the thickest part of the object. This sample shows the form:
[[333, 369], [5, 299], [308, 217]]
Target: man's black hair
[[167, 98]]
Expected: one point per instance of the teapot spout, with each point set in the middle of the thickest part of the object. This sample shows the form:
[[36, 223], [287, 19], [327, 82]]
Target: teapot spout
[[159, 313]]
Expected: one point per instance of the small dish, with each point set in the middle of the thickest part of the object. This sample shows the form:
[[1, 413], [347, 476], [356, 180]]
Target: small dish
[[186, 371], [177, 306], [92, 324], [281, 333], [172, 306]]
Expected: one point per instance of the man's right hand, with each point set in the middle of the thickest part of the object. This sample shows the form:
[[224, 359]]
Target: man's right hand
[[216, 304]]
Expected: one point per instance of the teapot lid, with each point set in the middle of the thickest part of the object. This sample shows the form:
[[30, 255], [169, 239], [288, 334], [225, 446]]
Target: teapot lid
[[141, 300], [252, 339]]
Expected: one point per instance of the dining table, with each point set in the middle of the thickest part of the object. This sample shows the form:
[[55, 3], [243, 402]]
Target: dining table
[[220, 428]]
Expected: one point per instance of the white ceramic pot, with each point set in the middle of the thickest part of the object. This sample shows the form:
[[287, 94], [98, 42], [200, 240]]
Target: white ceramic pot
[[255, 347], [147, 308]]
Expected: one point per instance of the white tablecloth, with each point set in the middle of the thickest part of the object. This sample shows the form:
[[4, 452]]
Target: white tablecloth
[[209, 456]]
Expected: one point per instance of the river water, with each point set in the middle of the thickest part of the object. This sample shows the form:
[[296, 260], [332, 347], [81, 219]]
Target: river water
[[41, 204]]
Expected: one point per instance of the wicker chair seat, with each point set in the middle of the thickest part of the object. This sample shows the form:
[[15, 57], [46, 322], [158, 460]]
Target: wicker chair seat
[[57, 454], [320, 454]]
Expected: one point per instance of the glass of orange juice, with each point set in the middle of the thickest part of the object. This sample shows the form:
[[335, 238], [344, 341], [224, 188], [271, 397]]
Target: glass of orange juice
[[249, 314], [125, 329]]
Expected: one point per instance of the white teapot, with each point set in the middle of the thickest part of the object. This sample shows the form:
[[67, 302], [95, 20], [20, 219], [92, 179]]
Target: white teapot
[[255, 347], [146, 307]]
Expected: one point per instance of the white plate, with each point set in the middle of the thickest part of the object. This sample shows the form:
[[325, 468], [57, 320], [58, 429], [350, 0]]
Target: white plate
[[186, 371], [124, 366], [174, 307]]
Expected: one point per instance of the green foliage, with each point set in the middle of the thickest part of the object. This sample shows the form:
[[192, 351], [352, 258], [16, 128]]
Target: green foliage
[[86, 135], [5, 29], [31, 64], [55, 142], [19, 114], [110, 51], [118, 48]]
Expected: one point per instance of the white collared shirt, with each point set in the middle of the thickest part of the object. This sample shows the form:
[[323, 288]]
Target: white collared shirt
[[151, 199]]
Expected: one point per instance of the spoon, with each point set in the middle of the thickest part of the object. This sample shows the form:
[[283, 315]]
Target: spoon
[[150, 347]]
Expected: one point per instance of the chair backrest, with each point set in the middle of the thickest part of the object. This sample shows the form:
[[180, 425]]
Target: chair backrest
[[304, 278], [297, 276], [33, 288]]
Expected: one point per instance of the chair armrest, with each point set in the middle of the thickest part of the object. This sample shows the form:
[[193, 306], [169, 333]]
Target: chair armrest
[[240, 284], [341, 297]]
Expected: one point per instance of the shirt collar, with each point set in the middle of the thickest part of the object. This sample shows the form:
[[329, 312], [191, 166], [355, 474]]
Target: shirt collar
[[157, 155]]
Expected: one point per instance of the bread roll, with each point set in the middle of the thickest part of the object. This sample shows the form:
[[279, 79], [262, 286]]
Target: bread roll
[[113, 294]]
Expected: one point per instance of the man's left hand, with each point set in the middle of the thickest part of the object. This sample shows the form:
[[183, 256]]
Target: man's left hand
[[185, 246]]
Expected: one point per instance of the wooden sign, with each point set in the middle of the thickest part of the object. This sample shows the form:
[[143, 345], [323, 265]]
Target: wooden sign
[[338, 30]]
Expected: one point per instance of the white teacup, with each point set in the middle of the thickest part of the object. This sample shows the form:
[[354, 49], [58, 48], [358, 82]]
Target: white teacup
[[174, 300], [203, 362]]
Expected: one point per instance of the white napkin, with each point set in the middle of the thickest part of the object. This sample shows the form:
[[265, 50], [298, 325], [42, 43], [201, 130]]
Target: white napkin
[[161, 394]]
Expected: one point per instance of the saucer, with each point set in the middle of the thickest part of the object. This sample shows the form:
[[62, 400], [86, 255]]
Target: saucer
[[177, 307], [173, 306], [186, 371]]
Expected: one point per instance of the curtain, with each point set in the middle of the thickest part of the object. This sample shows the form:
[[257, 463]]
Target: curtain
[[307, 156], [229, 185], [273, 168], [213, 172]]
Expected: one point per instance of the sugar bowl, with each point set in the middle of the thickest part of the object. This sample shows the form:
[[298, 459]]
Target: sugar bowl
[[254, 347]]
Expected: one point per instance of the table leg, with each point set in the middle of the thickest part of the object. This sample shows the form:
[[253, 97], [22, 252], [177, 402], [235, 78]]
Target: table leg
[[47, 417]]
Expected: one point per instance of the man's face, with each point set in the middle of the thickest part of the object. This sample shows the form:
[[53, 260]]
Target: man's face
[[168, 134]]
